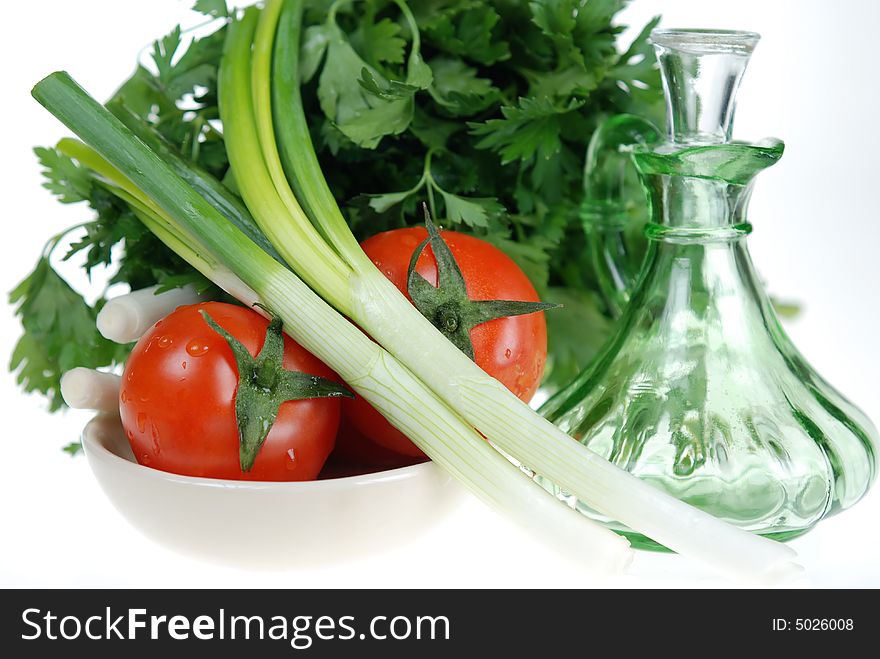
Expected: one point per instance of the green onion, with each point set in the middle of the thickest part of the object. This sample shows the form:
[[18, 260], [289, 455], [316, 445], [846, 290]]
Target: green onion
[[200, 233]]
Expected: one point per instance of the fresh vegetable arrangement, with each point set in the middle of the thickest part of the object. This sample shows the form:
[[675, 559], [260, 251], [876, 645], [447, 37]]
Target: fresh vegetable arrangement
[[335, 122], [495, 143]]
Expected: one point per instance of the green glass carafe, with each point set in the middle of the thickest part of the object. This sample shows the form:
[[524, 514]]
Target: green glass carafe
[[700, 391]]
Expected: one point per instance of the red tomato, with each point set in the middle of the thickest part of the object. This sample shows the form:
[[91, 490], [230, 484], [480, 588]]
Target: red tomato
[[177, 401], [512, 350]]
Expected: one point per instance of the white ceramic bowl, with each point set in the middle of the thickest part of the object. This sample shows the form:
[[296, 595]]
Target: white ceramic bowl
[[268, 525]]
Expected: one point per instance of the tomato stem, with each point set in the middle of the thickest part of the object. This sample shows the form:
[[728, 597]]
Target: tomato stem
[[264, 384], [447, 305]]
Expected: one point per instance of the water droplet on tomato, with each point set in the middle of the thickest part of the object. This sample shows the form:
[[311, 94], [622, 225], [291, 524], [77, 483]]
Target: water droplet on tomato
[[183, 365], [292, 455], [507, 353], [141, 422], [196, 348], [145, 459], [164, 341], [123, 396]]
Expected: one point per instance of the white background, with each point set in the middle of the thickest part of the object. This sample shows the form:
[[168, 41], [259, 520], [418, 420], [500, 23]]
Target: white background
[[812, 82]]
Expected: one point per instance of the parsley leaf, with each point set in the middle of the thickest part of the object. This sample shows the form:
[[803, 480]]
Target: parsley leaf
[[196, 68], [215, 8], [382, 202], [164, 50], [360, 102], [363, 104], [468, 29], [472, 211], [60, 333], [379, 43], [73, 449], [528, 130], [459, 89], [63, 177]]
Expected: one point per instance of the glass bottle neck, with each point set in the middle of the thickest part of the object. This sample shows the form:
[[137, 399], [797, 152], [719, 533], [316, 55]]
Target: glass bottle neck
[[698, 262], [691, 210]]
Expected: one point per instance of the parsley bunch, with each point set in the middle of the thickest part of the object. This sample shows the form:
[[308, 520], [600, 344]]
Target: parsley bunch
[[481, 108]]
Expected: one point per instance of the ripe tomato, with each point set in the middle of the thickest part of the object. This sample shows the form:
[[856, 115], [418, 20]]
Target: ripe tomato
[[513, 350], [177, 401]]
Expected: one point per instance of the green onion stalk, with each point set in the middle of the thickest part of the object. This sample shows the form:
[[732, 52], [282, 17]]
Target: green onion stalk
[[428, 389]]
